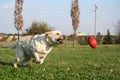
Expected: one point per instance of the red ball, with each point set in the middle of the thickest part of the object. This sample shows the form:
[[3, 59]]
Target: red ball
[[92, 42]]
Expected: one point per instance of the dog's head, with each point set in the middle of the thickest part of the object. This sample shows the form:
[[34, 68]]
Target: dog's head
[[55, 37]]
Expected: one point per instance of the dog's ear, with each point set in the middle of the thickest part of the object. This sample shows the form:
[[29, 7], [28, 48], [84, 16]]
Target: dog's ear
[[48, 34]]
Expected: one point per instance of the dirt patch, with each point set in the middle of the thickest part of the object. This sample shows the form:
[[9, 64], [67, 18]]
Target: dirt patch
[[4, 43]]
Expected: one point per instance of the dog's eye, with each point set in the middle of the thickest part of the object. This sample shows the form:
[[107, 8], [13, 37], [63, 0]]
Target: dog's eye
[[57, 34]]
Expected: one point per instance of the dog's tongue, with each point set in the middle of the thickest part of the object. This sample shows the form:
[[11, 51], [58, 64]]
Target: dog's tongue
[[60, 41]]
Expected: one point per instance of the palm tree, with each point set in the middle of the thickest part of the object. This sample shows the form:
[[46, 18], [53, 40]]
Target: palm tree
[[75, 13], [18, 19]]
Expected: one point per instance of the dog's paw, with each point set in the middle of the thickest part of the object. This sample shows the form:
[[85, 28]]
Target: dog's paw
[[23, 64], [38, 62], [15, 65]]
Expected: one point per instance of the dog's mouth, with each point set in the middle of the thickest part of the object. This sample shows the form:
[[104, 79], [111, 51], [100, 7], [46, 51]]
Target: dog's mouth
[[59, 41]]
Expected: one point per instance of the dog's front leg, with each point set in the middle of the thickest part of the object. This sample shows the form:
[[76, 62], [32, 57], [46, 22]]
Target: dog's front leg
[[37, 59], [43, 58]]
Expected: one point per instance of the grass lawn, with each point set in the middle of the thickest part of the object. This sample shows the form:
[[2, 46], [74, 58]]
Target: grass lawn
[[66, 63]]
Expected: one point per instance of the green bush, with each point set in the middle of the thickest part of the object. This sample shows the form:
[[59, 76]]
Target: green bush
[[38, 28], [117, 39], [82, 40], [108, 38]]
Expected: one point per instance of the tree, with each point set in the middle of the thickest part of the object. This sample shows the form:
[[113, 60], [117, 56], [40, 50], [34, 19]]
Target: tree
[[18, 19], [108, 38], [117, 30], [75, 13], [38, 28]]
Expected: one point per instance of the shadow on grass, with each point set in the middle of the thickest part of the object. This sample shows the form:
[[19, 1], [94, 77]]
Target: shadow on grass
[[11, 65], [6, 63]]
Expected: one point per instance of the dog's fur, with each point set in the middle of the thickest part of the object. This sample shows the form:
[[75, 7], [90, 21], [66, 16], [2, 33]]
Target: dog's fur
[[37, 46]]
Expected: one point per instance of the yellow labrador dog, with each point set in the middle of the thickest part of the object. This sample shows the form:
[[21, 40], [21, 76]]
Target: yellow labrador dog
[[37, 46]]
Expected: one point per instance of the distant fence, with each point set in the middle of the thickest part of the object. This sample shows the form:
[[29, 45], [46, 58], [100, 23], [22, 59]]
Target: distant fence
[[83, 40], [8, 38]]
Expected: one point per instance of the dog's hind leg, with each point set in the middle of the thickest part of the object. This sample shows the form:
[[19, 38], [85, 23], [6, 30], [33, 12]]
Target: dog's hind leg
[[19, 55], [17, 59], [25, 60]]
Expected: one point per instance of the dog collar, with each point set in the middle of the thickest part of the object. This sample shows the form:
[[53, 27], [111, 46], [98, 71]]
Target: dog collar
[[49, 42]]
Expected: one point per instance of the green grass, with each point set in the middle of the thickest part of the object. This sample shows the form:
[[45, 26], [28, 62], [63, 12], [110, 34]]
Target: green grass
[[66, 63]]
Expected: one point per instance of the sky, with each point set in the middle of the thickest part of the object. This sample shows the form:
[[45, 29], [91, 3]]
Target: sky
[[57, 14]]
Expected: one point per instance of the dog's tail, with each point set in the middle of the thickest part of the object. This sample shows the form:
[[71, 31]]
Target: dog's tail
[[9, 46]]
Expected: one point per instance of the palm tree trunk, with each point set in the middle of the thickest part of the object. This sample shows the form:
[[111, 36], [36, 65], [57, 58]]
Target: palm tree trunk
[[18, 35], [74, 38]]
